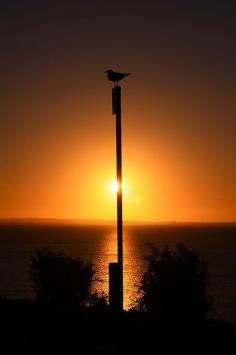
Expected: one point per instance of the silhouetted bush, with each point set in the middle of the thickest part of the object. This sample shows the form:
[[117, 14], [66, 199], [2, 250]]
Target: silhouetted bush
[[174, 286], [60, 280], [98, 302]]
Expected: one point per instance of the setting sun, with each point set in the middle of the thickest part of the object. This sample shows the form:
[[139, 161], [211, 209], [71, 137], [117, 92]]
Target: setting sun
[[114, 186]]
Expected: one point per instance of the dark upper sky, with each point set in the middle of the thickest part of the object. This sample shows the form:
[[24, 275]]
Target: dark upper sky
[[180, 98]]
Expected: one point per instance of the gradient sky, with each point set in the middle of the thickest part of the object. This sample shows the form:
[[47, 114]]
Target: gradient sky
[[57, 133]]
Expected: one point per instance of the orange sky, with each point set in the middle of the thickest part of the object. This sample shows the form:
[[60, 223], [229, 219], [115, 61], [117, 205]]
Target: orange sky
[[64, 168], [57, 133]]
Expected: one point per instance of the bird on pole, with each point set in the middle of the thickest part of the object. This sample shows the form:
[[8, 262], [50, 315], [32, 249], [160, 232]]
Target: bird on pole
[[115, 77]]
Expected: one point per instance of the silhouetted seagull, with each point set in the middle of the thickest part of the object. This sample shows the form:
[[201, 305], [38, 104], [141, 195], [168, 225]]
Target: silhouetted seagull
[[114, 76]]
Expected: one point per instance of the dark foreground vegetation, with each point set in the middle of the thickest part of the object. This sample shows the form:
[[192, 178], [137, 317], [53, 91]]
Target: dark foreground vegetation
[[170, 315]]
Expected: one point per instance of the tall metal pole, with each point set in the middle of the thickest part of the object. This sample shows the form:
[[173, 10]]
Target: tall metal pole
[[116, 269], [119, 177]]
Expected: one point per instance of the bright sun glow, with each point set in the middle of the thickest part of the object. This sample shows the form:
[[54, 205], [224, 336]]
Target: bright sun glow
[[114, 186]]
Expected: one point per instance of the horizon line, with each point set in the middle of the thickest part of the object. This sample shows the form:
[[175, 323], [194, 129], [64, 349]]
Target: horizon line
[[87, 221]]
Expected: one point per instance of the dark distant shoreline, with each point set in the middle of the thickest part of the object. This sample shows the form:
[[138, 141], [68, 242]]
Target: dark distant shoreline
[[60, 221]]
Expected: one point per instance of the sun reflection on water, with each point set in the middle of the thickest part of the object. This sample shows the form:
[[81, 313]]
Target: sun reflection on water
[[132, 266]]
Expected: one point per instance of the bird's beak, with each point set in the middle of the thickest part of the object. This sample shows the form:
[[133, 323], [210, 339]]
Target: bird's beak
[[105, 71]]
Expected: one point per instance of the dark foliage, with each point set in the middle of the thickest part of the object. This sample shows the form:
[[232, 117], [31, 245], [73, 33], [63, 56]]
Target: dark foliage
[[27, 327], [60, 280], [174, 286], [98, 302]]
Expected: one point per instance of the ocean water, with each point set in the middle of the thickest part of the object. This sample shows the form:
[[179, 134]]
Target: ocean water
[[217, 243]]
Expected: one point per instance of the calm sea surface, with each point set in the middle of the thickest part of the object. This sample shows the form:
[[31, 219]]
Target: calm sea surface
[[217, 243]]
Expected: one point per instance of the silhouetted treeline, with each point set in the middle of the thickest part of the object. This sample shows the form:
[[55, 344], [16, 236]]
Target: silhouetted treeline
[[169, 317], [172, 288]]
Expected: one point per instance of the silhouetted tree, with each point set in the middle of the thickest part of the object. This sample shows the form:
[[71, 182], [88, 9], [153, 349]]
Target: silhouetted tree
[[98, 302], [174, 286], [60, 280]]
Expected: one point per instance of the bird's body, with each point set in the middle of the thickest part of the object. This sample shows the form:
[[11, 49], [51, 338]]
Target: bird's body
[[114, 76]]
